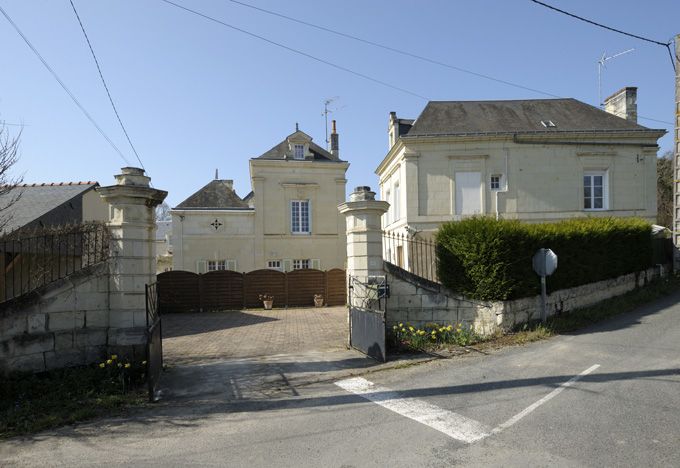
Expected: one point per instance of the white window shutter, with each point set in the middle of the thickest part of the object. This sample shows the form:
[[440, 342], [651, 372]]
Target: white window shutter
[[201, 266], [231, 265], [315, 264], [287, 265]]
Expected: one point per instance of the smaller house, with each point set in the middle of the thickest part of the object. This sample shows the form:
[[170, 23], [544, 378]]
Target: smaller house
[[27, 260], [289, 220], [164, 238], [45, 205]]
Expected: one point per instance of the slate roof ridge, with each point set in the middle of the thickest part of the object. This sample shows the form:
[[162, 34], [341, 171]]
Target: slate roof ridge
[[216, 194], [476, 117], [53, 184]]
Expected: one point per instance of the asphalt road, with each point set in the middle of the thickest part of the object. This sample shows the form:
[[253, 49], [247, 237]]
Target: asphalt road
[[608, 396]]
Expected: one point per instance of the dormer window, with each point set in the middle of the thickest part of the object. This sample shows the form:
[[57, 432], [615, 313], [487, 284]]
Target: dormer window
[[299, 152]]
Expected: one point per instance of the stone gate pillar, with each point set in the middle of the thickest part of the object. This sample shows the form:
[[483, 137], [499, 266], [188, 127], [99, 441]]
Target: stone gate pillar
[[132, 224], [364, 233]]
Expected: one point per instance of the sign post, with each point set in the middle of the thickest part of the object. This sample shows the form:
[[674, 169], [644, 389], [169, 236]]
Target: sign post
[[545, 263]]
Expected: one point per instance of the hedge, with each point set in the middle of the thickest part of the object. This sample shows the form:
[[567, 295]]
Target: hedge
[[489, 259]]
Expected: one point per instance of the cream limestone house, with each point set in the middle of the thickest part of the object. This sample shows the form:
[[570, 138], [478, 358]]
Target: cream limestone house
[[289, 221], [536, 160]]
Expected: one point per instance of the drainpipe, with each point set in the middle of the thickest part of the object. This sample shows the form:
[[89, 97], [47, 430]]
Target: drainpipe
[[507, 180]]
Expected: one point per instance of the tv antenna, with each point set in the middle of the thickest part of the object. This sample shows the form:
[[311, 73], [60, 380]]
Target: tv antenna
[[327, 111], [600, 66]]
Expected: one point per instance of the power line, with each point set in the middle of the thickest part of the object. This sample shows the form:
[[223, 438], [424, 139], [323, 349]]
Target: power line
[[297, 51], [666, 45], [105, 86], [311, 25], [56, 77]]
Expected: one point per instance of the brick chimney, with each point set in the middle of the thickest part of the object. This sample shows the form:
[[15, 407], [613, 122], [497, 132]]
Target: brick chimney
[[335, 144], [623, 104]]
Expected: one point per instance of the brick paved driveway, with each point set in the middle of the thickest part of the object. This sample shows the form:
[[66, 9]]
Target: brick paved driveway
[[198, 337]]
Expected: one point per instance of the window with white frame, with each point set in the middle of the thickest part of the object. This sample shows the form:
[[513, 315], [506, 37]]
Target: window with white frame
[[496, 180], [299, 217], [300, 264], [396, 213], [214, 265], [274, 265], [388, 199], [595, 190], [299, 151]]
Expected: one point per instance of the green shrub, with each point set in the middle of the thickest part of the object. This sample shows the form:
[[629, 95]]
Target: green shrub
[[490, 259]]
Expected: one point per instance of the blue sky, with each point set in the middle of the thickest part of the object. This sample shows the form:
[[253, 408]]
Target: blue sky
[[195, 95]]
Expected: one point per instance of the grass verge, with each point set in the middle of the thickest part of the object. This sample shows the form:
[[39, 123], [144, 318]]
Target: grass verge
[[34, 402]]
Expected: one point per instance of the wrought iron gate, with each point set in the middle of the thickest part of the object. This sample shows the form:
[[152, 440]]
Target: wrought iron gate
[[367, 315], [154, 343]]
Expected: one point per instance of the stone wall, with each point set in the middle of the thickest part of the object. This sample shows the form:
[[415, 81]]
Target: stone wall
[[63, 323], [96, 311], [418, 301]]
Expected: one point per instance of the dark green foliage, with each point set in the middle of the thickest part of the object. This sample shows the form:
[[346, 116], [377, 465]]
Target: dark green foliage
[[490, 259]]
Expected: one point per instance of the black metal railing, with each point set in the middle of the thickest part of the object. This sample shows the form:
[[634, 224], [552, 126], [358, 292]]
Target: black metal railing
[[30, 259], [154, 345], [417, 256]]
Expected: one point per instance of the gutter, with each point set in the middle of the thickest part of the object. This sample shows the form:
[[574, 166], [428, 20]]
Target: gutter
[[588, 143]]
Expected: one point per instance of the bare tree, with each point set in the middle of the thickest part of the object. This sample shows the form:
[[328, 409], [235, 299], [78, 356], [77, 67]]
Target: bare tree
[[163, 212], [664, 189], [9, 156]]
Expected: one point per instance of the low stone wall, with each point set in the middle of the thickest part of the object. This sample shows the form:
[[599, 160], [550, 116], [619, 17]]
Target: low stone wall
[[511, 313], [419, 301], [61, 324]]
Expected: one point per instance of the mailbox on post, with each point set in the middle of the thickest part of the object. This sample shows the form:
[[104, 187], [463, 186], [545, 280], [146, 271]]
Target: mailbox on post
[[545, 263]]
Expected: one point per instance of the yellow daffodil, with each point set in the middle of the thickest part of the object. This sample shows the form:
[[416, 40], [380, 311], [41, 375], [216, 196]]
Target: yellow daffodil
[[410, 328], [144, 363], [458, 330], [108, 361], [120, 364], [401, 324], [102, 365], [127, 366], [395, 327], [115, 356]]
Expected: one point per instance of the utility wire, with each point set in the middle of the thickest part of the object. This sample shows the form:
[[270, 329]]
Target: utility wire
[[311, 25], [298, 52], [105, 86], [666, 45], [64, 86], [407, 53]]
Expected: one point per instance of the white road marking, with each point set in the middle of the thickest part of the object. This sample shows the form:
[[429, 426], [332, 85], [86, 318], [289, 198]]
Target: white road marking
[[452, 424], [546, 398]]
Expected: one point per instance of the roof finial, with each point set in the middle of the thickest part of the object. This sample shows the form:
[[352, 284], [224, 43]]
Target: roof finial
[[296, 127], [216, 177]]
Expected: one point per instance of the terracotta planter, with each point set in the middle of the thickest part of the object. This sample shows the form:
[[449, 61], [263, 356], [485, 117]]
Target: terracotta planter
[[268, 305], [318, 302]]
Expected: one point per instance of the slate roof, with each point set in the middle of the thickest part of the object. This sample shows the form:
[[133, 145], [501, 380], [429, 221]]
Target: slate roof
[[280, 150], [520, 116], [38, 200], [216, 195]]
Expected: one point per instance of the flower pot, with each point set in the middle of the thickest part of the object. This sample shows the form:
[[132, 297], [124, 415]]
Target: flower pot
[[268, 305], [318, 302]]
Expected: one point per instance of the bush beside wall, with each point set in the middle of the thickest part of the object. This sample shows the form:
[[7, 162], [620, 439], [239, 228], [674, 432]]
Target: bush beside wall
[[488, 259]]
